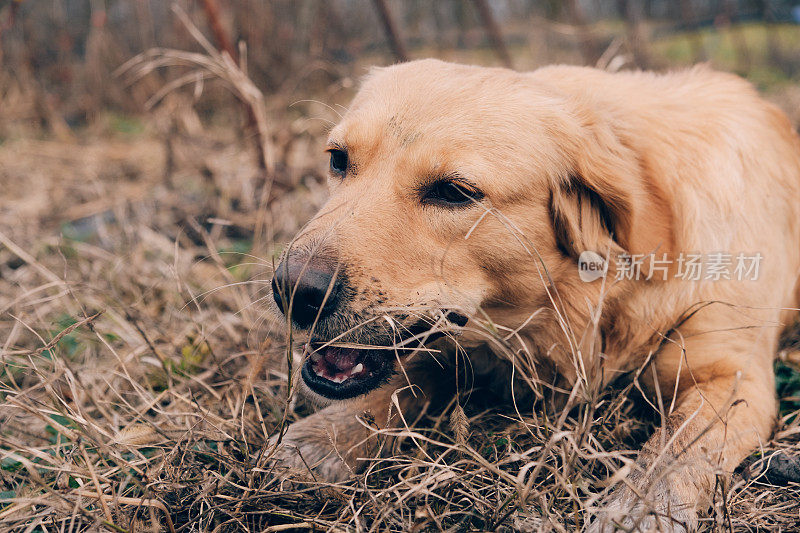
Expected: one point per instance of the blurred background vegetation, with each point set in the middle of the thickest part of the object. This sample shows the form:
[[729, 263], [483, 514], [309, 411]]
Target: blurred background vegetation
[[59, 57]]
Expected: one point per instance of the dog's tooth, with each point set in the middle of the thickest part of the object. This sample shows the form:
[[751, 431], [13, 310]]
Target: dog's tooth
[[356, 369]]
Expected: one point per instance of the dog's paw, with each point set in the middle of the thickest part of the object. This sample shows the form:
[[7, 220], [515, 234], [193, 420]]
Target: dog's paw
[[637, 519], [322, 448], [663, 512], [306, 460]]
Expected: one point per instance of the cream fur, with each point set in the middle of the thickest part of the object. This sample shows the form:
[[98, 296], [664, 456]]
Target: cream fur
[[690, 161]]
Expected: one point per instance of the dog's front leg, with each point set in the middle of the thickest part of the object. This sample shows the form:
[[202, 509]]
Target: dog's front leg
[[724, 407], [336, 442]]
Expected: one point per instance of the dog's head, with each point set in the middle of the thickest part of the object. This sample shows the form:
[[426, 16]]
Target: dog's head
[[453, 189]]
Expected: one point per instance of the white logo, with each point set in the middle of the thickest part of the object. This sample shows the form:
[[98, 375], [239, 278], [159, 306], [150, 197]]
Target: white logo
[[591, 266]]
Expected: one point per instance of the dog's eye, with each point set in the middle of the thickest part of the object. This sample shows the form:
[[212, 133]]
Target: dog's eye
[[451, 194], [338, 162]]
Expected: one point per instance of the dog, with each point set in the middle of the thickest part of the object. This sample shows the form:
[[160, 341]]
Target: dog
[[464, 199]]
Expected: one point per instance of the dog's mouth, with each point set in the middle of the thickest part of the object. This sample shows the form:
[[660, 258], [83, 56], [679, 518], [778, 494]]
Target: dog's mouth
[[340, 372]]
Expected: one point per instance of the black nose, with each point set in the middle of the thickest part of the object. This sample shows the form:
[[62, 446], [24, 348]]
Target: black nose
[[309, 287]]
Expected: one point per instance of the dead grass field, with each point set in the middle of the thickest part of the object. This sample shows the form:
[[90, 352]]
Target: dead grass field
[[141, 375]]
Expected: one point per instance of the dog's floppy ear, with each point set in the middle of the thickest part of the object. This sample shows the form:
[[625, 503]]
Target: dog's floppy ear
[[609, 203], [583, 220]]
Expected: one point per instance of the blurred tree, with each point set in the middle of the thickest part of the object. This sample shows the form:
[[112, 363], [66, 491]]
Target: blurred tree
[[396, 43]]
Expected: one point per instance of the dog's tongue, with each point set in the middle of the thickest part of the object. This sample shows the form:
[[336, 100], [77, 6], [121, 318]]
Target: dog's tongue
[[342, 358], [338, 364]]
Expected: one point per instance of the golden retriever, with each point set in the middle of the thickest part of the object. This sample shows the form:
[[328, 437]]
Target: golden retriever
[[466, 199]]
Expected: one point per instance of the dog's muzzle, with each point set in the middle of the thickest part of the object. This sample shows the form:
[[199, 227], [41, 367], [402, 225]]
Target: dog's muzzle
[[312, 291]]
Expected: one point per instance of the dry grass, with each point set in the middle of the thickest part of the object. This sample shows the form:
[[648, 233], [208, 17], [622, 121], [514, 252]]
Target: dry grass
[[140, 375]]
